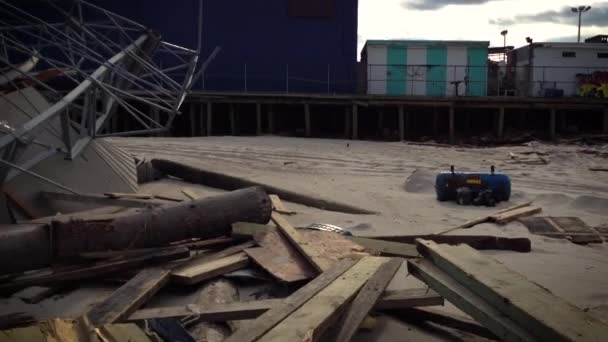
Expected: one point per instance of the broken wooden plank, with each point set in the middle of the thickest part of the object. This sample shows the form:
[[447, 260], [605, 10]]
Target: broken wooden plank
[[190, 194], [312, 319], [208, 243], [195, 273], [579, 228], [480, 242], [529, 305], [386, 248], [468, 301], [298, 242], [128, 298], [35, 294], [92, 271], [199, 260], [398, 299], [100, 199], [127, 195], [276, 263], [483, 219], [512, 215], [292, 303], [279, 207], [441, 318], [121, 332], [366, 299]]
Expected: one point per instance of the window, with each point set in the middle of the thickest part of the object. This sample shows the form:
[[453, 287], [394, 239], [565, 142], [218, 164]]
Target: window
[[312, 8], [568, 54], [602, 55]]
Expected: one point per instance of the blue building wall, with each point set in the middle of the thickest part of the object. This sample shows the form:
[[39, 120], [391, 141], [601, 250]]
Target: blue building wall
[[262, 45]]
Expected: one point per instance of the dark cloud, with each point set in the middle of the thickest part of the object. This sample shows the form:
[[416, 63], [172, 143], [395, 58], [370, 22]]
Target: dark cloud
[[597, 16], [426, 5]]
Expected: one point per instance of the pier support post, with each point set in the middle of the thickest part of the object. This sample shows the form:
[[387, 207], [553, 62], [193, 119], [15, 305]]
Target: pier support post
[[201, 117], [307, 120], [401, 123], [500, 123], [435, 122], [192, 119], [270, 119], [605, 128], [552, 124], [232, 120], [258, 118], [347, 122], [451, 120], [355, 120], [209, 118]]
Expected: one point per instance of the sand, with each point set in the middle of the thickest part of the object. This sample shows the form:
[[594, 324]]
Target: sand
[[396, 180]]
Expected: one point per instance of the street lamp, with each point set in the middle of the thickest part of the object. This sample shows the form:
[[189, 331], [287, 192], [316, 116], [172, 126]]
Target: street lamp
[[580, 10], [504, 51]]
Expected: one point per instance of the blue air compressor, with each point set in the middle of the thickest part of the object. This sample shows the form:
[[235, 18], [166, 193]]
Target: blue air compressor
[[477, 188]]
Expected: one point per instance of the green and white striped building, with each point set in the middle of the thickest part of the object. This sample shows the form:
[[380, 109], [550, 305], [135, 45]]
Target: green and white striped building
[[426, 67]]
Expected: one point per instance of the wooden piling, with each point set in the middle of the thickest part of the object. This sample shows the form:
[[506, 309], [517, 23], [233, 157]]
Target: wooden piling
[[232, 119], [201, 118], [258, 118], [307, 120], [270, 119], [192, 120], [209, 118], [401, 124], [500, 123], [605, 120], [355, 120], [452, 125], [347, 122], [552, 123]]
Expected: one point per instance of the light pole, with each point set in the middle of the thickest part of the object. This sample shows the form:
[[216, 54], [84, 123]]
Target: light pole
[[504, 51], [580, 10]]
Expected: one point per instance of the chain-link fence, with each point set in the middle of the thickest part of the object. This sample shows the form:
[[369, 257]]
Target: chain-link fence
[[408, 80]]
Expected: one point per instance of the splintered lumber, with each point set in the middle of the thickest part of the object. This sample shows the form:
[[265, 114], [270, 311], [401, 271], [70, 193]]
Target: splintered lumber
[[100, 199], [532, 307], [366, 299], [484, 219], [465, 324], [122, 332], [199, 260], [279, 207], [386, 248], [468, 301], [312, 319], [399, 299], [277, 313], [209, 269], [208, 243], [479, 242], [92, 271], [298, 242], [512, 215], [203, 218], [128, 298], [190, 194], [226, 182], [127, 195]]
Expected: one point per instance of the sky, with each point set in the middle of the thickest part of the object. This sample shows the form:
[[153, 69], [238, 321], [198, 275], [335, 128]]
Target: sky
[[542, 20]]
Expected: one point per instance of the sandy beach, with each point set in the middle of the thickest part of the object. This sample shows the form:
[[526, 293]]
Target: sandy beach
[[397, 181]]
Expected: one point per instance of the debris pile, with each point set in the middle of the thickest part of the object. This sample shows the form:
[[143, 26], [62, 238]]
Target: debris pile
[[260, 278]]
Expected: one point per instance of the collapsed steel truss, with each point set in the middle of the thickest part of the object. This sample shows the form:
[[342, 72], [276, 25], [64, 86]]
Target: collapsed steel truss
[[116, 67]]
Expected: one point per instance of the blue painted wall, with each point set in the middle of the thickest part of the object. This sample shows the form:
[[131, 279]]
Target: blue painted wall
[[262, 35]]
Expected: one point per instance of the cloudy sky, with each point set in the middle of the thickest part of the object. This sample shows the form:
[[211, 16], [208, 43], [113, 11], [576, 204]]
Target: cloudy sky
[[543, 20]]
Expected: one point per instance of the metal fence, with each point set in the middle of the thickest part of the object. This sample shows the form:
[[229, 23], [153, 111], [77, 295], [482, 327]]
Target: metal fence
[[407, 80]]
